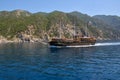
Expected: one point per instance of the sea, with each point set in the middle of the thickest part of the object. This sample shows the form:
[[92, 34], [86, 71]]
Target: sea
[[36, 61]]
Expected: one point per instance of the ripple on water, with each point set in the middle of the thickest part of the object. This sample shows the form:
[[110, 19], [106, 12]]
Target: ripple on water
[[33, 61]]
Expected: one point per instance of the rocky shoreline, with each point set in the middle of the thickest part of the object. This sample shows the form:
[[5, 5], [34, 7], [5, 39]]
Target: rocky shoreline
[[17, 40], [33, 39]]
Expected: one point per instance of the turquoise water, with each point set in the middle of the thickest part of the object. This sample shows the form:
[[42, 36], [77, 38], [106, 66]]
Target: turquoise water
[[34, 61]]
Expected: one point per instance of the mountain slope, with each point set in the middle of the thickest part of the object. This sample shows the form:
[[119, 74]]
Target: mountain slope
[[113, 21], [23, 25]]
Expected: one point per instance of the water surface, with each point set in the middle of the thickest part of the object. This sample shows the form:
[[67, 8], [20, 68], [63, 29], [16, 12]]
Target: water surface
[[34, 61]]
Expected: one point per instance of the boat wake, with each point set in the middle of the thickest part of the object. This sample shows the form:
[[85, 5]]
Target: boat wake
[[97, 44], [81, 46], [107, 44]]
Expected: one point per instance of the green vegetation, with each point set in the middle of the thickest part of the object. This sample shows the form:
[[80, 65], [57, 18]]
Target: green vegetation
[[17, 21]]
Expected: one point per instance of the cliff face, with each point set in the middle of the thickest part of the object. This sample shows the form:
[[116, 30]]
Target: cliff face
[[20, 26]]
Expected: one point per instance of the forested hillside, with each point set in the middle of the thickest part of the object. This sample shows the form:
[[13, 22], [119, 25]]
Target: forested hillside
[[20, 25], [113, 21]]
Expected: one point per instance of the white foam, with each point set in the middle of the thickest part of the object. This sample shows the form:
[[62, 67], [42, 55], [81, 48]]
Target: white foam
[[81, 46], [97, 44], [107, 44]]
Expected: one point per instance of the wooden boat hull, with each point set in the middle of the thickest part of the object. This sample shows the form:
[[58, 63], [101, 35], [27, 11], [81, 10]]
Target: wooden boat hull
[[63, 42]]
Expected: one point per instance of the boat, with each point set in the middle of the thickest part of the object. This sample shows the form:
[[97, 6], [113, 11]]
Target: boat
[[81, 41], [77, 40]]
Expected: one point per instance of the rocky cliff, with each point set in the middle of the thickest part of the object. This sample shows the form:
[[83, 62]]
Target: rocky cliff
[[21, 26]]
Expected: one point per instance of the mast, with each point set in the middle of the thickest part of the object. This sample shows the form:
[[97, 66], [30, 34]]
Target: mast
[[60, 30], [86, 28], [74, 31]]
